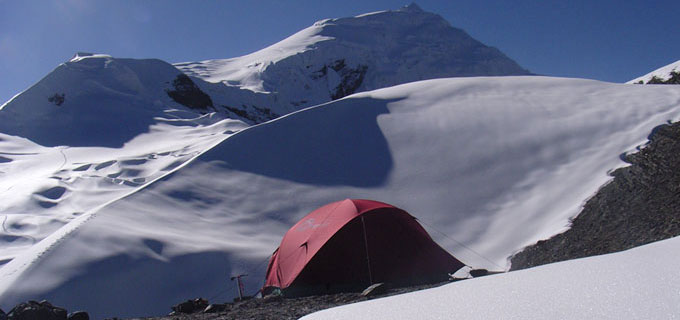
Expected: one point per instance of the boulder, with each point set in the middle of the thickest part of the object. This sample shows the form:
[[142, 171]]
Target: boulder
[[79, 315], [475, 273], [191, 306], [33, 310]]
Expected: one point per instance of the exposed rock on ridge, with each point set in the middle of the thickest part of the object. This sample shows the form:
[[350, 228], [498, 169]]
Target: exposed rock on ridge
[[641, 205], [337, 57]]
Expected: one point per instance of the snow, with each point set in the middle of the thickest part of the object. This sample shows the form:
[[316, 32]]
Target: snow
[[119, 201], [486, 163], [84, 55], [308, 67], [663, 73], [106, 102], [116, 131], [641, 283]]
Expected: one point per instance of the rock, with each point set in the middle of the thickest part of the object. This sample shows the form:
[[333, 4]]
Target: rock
[[374, 289], [479, 272], [272, 298], [57, 99], [3, 315], [79, 315], [33, 310], [640, 205], [188, 94], [191, 306]]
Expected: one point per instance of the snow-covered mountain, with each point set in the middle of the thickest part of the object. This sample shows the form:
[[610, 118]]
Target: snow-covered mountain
[[337, 57], [93, 130], [490, 164], [97, 100], [129, 185], [117, 124], [669, 74]]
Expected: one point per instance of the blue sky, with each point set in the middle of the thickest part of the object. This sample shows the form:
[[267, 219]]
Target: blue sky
[[603, 39]]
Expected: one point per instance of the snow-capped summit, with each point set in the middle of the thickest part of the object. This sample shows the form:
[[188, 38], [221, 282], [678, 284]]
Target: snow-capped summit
[[337, 57], [669, 74], [98, 100]]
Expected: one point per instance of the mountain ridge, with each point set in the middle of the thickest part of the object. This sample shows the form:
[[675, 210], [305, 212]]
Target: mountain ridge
[[496, 162], [337, 57]]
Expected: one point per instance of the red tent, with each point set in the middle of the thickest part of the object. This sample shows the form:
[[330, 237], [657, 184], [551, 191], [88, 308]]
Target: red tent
[[350, 244]]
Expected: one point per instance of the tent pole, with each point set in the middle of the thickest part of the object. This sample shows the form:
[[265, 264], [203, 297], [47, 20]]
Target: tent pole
[[368, 260]]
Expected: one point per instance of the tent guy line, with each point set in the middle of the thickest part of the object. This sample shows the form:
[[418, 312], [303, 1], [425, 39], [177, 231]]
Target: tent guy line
[[460, 243]]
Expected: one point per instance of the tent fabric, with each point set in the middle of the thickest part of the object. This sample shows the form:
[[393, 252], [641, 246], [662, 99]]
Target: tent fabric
[[357, 243]]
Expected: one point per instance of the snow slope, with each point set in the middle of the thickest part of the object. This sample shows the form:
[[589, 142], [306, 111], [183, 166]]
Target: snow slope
[[640, 283], [97, 120], [98, 128], [489, 164], [337, 57], [663, 73], [115, 131]]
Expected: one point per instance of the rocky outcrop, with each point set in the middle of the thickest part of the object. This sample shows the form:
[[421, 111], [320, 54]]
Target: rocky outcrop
[[352, 78], [191, 306], [251, 114], [43, 310], [673, 79], [640, 205], [188, 94], [57, 99]]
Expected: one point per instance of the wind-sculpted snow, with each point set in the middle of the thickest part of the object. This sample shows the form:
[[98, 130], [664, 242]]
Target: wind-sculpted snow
[[44, 188], [113, 130], [487, 165], [337, 57], [640, 283]]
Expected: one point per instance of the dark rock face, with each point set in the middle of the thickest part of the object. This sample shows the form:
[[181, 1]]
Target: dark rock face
[[188, 94], [641, 205], [352, 78], [252, 114], [33, 310]]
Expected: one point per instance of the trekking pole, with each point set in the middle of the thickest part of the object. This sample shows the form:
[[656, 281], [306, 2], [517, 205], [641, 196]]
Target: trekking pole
[[241, 287]]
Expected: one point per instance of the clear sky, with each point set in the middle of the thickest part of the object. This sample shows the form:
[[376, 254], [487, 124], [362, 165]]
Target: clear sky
[[596, 39]]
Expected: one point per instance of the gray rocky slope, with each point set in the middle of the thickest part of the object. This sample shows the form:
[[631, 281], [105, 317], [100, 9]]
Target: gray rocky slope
[[640, 205]]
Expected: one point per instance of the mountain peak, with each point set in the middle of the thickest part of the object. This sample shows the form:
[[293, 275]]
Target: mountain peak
[[413, 7], [342, 56]]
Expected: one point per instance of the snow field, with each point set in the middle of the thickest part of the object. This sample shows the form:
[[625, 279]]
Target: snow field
[[490, 164], [640, 283]]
